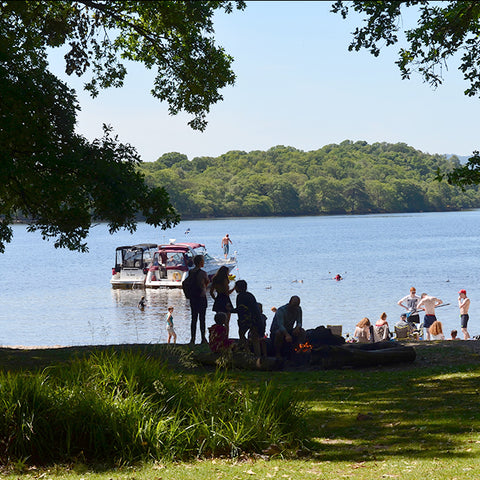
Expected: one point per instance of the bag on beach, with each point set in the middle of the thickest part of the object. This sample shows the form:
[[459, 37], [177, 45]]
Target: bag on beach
[[190, 285]]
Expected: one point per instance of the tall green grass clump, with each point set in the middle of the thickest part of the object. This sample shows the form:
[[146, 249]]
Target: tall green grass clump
[[127, 407]]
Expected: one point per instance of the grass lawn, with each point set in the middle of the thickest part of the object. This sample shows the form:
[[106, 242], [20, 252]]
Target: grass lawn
[[420, 420]]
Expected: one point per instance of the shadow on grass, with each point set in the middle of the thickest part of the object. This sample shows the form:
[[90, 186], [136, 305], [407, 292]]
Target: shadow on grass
[[365, 414], [415, 410]]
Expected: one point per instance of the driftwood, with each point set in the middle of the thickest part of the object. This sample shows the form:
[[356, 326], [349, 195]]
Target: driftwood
[[361, 355], [318, 356]]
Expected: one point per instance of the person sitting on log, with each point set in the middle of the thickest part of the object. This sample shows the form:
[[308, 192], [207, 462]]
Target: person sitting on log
[[286, 330], [362, 331], [381, 331]]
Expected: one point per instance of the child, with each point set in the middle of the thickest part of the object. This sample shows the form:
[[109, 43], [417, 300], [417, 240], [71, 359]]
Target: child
[[436, 331], [218, 334], [170, 329], [454, 334]]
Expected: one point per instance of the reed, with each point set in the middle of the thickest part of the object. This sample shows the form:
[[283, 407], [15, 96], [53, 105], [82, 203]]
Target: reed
[[127, 407]]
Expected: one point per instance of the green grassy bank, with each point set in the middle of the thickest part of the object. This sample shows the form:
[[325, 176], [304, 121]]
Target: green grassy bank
[[420, 420]]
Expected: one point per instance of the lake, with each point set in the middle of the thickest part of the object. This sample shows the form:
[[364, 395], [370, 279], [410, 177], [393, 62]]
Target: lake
[[57, 297]]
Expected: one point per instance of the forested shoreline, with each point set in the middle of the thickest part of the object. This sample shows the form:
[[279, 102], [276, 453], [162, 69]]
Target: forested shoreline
[[346, 178]]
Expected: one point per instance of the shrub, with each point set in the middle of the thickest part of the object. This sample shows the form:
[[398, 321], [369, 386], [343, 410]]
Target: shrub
[[126, 407]]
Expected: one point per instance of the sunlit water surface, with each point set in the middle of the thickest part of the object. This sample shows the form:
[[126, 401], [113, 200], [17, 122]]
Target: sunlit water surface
[[58, 297]]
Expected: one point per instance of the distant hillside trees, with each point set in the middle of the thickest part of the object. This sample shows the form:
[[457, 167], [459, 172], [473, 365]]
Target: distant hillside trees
[[349, 178]]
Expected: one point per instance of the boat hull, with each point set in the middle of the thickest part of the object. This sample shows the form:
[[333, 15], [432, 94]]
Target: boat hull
[[127, 278]]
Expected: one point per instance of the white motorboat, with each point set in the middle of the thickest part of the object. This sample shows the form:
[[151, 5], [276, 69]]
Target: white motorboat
[[131, 264], [171, 264]]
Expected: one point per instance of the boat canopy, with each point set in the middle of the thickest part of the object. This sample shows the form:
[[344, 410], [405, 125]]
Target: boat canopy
[[180, 247], [177, 256], [134, 256]]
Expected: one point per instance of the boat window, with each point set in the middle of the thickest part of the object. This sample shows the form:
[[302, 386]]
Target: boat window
[[132, 258], [200, 251], [189, 259], [148, 255], [119, 258], [175, 259]]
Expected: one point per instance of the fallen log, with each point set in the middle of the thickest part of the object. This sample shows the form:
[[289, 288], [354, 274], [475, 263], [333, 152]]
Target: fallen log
[[240, 360], [361, 355]]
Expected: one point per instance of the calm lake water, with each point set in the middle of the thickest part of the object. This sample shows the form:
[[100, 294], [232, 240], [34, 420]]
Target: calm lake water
[[56, 297]]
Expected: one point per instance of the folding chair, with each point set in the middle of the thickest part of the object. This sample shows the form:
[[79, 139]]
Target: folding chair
[[380, 333], [401, 332]]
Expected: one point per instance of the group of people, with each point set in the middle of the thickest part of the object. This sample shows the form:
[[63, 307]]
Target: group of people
[[427, 303], [252, 322], [286, 328], [414, 305], [365, 332]]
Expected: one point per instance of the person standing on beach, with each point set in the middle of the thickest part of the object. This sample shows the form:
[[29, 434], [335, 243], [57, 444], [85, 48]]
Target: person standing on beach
[[464, 305], [170, 329], [226, 245], [428, 303], [249, 317], [220, 292], [198, 298], [409, 303]]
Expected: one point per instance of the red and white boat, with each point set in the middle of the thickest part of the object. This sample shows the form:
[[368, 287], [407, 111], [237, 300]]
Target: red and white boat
[[171, 264]]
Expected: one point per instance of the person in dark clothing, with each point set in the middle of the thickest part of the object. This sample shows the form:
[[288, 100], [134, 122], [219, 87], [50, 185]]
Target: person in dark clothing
[[198, 298], [249, 316], [286, 328], [220, 291]]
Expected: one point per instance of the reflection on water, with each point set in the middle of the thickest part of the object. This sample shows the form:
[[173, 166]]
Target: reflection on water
[[148, 326]]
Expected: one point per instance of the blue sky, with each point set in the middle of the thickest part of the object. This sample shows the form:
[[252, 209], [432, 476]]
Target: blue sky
[[297, 85]]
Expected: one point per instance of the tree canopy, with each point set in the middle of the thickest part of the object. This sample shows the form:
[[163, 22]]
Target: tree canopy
[[349, 178], [57, 179], [444, 31]]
